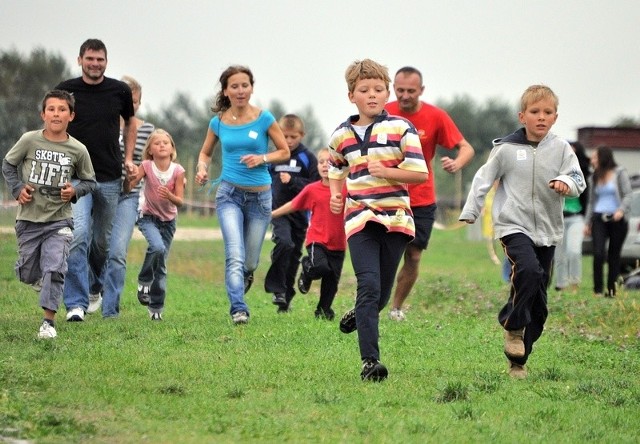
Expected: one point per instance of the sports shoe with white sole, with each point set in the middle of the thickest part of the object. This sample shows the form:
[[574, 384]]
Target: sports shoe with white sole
[[396, 315], [75, 315], [143, 294], [348, 321], [95, 302], [47, 331], [37, 286], [373, 370], [240, 317], [155, 316]]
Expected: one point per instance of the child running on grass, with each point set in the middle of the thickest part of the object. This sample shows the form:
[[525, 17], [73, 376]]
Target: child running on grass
[[163, 194], [326, 241], [288, 233], [536, 170], [38, 170], [376, 155]]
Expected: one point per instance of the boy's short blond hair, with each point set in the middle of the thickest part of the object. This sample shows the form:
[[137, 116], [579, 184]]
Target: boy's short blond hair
[[366, 69], [133, 83], [291, 122], [536, 93]]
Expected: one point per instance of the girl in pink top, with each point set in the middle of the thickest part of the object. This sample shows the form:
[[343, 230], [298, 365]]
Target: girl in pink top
[[163, 194]]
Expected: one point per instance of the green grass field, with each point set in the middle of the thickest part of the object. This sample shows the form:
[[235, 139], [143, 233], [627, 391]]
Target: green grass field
[[291, 378]]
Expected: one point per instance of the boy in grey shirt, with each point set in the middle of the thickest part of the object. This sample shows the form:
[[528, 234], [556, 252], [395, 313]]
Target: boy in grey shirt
[[535, 169], [39, 169]]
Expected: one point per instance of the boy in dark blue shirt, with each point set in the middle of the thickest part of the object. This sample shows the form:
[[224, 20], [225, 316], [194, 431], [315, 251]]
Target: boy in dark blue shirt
[[289, 231]]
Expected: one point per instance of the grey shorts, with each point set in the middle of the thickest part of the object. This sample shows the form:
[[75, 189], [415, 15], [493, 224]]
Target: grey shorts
[[43, 249]]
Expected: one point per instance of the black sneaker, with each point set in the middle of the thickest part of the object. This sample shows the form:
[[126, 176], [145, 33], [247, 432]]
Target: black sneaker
[[280, 300], [143, 294], [348, 321], [327, 314], [248, 281], [373, 370], [304, 283]]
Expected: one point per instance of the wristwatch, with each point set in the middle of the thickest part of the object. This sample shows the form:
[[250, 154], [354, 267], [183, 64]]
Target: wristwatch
[[264, 158]]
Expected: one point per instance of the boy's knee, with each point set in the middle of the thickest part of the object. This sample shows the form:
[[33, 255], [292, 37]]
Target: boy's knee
[[530, 272]]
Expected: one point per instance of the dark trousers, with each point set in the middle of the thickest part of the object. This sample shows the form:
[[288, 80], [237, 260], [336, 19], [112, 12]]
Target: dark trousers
[[375, 255], [527, 304], [326, 265], [288, 235], [615, 232]]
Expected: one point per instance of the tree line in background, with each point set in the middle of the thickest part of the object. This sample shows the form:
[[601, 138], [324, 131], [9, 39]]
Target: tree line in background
[[25, 79]]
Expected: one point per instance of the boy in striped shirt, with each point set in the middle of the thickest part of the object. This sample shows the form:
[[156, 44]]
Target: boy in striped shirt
[[376, 155]]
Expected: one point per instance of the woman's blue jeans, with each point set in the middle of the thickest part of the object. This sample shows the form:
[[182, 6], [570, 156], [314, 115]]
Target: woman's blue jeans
[[244, 218]]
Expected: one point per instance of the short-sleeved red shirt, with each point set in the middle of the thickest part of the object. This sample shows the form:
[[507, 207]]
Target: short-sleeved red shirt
[[325, 227], [435, 127]]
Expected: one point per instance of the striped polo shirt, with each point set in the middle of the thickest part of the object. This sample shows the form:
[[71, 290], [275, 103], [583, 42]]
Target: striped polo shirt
[[391, 140]]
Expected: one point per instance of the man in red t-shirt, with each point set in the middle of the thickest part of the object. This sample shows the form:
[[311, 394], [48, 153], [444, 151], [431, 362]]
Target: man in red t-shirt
[[435, 127]]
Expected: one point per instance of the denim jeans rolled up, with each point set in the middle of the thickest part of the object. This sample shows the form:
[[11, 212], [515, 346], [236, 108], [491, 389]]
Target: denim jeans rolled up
[[93, 216], [244, 218], [153, 273]]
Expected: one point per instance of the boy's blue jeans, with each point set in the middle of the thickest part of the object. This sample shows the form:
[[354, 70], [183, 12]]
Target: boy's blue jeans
[[244, 218], [375, 256], [92, 220]]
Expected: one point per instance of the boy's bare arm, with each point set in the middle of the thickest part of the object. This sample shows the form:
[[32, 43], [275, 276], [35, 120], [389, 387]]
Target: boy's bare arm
[[284, 209]]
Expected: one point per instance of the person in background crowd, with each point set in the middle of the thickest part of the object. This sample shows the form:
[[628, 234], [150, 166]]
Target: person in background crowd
[[125, 218], [568, 258], [609, 202], [326, 241], [289, 230], [434, 127], [100, 104]]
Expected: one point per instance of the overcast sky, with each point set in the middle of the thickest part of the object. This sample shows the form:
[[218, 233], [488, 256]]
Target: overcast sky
[[587, 51]]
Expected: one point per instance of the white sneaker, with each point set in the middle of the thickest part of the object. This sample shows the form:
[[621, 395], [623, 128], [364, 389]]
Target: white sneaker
[[240, 317], [75, 315], [396, 315], [95, 302], [47, 331], [37, 286], [154, 315]]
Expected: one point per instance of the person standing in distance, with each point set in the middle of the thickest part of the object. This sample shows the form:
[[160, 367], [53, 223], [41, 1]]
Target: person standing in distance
[[100, 103], [434, 127]]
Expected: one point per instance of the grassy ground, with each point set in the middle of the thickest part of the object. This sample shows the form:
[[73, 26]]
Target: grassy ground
[[291, 378]]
